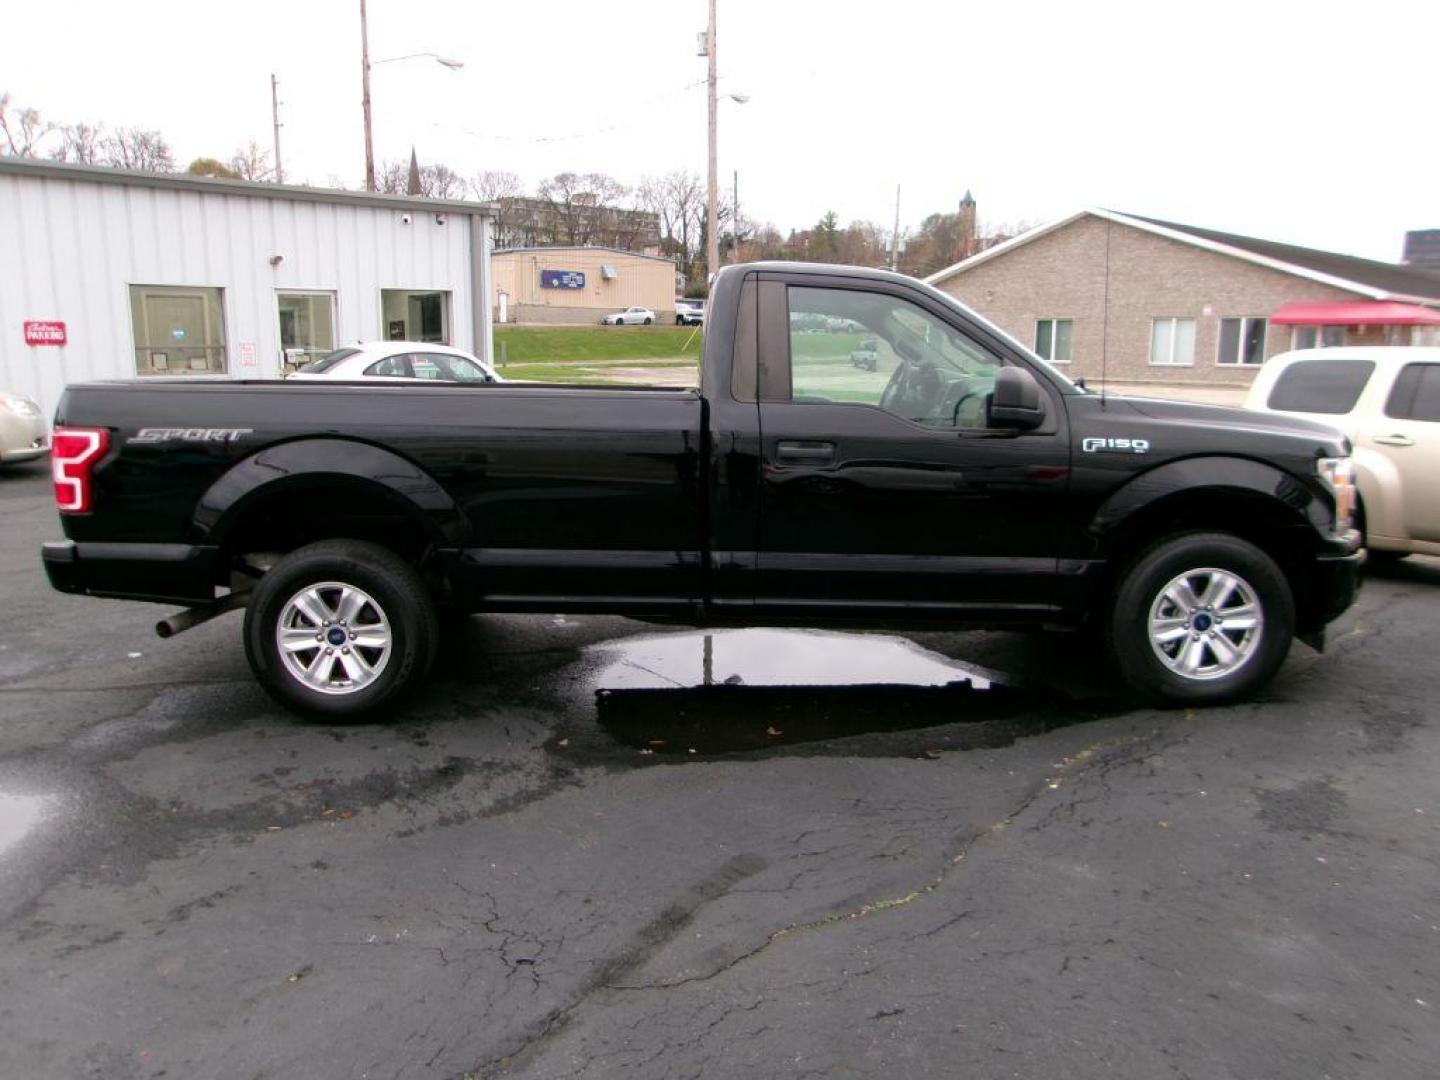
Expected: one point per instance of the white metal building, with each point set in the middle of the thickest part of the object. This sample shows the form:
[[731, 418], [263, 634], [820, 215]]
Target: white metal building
[[112, 274]]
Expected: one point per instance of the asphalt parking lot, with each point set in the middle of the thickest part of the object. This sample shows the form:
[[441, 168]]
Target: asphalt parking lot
[[572, 858]]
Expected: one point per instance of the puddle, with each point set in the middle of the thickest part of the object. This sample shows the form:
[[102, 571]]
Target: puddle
[[727, 690], [18, 815], [777, 658]]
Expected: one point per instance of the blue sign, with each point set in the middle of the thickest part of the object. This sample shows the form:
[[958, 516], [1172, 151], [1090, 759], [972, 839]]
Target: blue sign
[[562, 279]]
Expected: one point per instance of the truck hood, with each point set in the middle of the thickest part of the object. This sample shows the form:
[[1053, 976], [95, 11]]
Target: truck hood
[[1226, 418]]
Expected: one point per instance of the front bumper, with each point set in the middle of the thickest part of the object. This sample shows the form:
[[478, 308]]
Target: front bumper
[[163, 573]]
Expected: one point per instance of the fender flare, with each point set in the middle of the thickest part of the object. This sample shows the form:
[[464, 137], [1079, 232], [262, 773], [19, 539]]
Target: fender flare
[[1244, 478], [288, 466]]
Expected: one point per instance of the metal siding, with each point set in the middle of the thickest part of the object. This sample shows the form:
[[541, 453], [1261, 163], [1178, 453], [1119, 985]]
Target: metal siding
[[76, 246]]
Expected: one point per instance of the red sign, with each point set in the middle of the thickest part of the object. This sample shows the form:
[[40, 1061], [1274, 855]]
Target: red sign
[[44, 332]]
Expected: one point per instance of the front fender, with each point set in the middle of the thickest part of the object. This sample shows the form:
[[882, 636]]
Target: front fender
[[278, 469], [1380, 492], [1232, 477]]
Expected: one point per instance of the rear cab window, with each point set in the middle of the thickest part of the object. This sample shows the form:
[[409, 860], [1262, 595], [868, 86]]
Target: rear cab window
[[1331, 387]]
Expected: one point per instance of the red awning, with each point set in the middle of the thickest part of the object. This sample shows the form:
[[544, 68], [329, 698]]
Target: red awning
[[1355, 313]]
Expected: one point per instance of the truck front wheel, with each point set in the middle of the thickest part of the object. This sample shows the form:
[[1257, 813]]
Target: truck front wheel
[[340, 629], [1201, 618]]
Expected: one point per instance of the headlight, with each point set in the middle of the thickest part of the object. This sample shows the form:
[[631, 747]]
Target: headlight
[[1339, 474], [19, 404]]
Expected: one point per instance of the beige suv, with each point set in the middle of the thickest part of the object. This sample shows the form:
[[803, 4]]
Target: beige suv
[[1387, 400]]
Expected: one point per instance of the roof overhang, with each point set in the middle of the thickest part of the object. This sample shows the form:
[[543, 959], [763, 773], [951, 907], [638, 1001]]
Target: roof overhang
[[1354, 313]]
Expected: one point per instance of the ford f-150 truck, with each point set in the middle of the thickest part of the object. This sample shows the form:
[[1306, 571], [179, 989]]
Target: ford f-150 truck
[[961, 482]]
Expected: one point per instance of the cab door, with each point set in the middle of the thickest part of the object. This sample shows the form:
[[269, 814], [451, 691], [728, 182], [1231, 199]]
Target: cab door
[[886, 491], [1408, 435]]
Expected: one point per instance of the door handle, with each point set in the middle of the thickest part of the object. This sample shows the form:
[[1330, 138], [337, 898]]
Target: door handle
[[814, 454], [1394, 440]]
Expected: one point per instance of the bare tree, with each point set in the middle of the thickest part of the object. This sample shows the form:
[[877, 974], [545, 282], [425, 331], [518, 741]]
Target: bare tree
[[436, 181], [442, 182], [82, 144], [574, 199], [141, 149], [252, 162], [678, 200], [490, 185], [22, 129]]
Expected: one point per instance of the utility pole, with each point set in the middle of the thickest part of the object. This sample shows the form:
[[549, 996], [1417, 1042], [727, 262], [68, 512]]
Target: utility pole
[[735, 216], [275, 119], [712, 232], [365, 99], [895, 241]]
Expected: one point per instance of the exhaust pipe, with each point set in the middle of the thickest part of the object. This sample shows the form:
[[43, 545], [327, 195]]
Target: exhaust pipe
[[191, 617]]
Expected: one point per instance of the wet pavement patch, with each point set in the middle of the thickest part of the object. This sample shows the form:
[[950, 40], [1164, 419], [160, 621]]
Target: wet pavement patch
[[738, 690], [19, 814]]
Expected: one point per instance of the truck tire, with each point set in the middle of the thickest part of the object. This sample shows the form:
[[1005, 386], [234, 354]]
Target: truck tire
[[1200, 618], [340, 630]]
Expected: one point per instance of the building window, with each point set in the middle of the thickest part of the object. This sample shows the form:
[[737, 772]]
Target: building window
[[1317, 337], [1242, 341], [178, 330], [1172, 342], [1052, 339], [307, 327], [415, 315]]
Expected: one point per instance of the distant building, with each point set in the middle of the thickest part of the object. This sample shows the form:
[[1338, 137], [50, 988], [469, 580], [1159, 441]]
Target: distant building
[[1422, 249], [579, 284], [1156, 301], [530, 223]]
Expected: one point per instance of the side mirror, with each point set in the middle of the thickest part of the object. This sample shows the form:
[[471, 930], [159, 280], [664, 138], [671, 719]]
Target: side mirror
[[1016, 401]]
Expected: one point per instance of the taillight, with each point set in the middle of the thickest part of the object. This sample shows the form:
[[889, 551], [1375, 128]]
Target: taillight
[[73, 454]]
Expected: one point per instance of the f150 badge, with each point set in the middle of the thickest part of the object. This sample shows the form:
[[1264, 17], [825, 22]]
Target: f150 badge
[[1133, 446], [190, 434]]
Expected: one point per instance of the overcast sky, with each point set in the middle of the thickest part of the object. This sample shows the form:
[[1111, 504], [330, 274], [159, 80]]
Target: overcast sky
[[1308, 122]]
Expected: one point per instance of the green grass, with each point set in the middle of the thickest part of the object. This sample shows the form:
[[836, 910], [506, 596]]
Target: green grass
[[575, 344], [596, 355]]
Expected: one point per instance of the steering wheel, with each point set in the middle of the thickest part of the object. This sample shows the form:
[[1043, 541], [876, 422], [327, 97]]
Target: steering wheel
[[954, 403]]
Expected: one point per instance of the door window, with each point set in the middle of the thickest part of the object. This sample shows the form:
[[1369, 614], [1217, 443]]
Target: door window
[[307, 327], [1416, 394], [392, 367], [866, 348], [179, 330]]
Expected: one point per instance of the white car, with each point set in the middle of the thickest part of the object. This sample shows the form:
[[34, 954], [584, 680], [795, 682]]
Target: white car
[[24, 434], [1387, 401], [689, 313], [631, 316], [398, 361]]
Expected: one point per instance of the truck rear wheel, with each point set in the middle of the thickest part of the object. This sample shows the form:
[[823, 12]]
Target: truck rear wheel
[[340, 629], [1201, 618]]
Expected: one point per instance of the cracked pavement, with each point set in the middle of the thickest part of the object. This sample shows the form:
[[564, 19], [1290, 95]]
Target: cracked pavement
[[515, 878]]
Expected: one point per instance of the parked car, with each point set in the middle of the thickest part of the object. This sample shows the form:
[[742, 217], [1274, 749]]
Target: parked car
[[1387, 401], [24, 435], [689, 313], [634, 316], [398, 361], [867, 356], [1197, 541]]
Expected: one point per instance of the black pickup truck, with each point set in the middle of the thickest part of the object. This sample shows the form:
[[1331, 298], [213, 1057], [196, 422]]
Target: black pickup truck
[[960, 482]]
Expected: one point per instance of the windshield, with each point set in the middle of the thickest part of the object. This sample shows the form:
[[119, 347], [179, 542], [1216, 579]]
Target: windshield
[[328, 361]]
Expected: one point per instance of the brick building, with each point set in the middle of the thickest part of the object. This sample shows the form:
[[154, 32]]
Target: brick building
[[1157, 302], [579, 222]]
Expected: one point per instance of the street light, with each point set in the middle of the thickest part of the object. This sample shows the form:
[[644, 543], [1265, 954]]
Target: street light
[[366, 64]]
